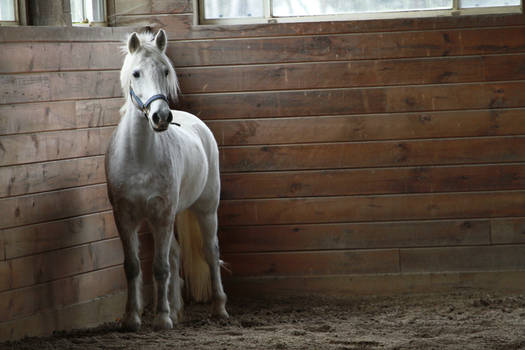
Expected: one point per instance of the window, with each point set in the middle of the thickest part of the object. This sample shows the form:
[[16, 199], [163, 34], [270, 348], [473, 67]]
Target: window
[[88, 12], [8, 12], [262, 11]]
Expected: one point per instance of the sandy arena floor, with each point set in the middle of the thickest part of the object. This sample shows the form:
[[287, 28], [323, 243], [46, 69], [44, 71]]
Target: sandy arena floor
[[453, 321]]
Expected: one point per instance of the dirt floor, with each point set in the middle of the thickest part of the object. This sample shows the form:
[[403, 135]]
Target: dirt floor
[[453, 321]]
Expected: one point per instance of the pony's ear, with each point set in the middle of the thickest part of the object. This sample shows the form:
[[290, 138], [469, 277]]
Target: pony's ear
[[161, 40], [133, 43]]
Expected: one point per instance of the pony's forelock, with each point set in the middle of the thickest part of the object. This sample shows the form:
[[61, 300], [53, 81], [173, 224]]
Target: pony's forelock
[[147, 47]]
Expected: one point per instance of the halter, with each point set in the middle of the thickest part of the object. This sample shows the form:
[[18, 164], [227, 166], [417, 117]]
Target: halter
[[144, 107]]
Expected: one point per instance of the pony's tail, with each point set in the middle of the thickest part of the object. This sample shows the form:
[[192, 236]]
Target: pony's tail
[[196, 270]]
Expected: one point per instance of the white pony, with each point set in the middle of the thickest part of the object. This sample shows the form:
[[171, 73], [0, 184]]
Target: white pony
[[158, 171]]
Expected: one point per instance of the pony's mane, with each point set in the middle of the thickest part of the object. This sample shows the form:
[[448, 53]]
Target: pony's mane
[[149, 48]]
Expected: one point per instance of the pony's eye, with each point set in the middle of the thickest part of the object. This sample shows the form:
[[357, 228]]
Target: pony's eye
[[166, 72], [136, 74]]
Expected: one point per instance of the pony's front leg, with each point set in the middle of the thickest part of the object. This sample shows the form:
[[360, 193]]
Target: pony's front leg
[[161, 272], [127, 226]]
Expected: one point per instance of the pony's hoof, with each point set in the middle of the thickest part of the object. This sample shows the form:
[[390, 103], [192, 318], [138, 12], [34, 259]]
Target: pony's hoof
[[176, 317], [162, 321], [131, 322], [219, 312]]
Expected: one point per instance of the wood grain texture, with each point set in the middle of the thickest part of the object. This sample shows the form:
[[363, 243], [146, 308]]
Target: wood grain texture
[[373, 154], [495, 122], [55, 175], [59, 234], [284, 238], [40, 87], [352, 73], [372, 208], [24, 302], [81, 315], [50, 116], [315, 48], [46, 34], [53, 265], [502, 257], [378, 284], [40, 147], [373, 181], [55, 205], [508, 231], [395, 99], [313, 263], [56, 56]]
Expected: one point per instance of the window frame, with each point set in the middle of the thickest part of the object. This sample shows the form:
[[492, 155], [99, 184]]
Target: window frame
[[89, 23], [269, 18], [16, 22]]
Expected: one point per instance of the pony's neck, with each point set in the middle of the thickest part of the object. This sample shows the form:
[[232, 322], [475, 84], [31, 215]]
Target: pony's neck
[[140, 136]]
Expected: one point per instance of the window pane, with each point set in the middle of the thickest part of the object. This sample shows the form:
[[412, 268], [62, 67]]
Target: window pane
[[95, 10], [7, 10], [331, 7], [232, 8], [77, 11], [487, 3]]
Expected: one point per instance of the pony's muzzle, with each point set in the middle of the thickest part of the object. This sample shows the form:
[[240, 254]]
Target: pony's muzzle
[[161, 119]]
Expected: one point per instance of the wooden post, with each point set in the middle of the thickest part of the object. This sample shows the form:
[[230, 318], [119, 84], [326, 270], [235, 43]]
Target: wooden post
[[50, 12]]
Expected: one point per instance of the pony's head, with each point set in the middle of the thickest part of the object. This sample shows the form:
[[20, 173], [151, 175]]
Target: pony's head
[[148, 79]]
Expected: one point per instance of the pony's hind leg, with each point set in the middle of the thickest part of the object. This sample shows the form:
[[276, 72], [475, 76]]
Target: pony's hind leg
[[175, 284], [210, 242], [127, 228]]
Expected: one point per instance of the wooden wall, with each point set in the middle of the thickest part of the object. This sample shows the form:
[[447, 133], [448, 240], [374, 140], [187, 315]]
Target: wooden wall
[[357, 157]]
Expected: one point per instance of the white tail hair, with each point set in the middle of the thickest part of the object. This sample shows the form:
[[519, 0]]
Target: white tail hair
[[196, 270]]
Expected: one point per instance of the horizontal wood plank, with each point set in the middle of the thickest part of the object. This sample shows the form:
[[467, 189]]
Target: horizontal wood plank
[[53, 265], [25, 302], [81, 315], [313, 263], [38, 238], [46, 34], [50, 116], [505, 257], [38, 57], [364, 26], [56, 205], [378, 284], [508, 231], [41, 147], [55, 175], [268, 238], [20, 303], [373, 181], [373, 154], [372, 208], [392, 99], [496, 122], [349, 47], [59, 86], [48, 266], [352, 74]]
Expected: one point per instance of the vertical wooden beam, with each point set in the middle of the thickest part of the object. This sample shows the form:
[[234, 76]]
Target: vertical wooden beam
[[50, 12]]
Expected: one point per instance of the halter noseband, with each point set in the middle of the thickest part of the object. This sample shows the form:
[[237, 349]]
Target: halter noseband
[[144, 107]]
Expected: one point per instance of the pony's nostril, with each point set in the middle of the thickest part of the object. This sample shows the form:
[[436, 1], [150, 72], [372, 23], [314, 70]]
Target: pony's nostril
[[155, 117], [170, 118]]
